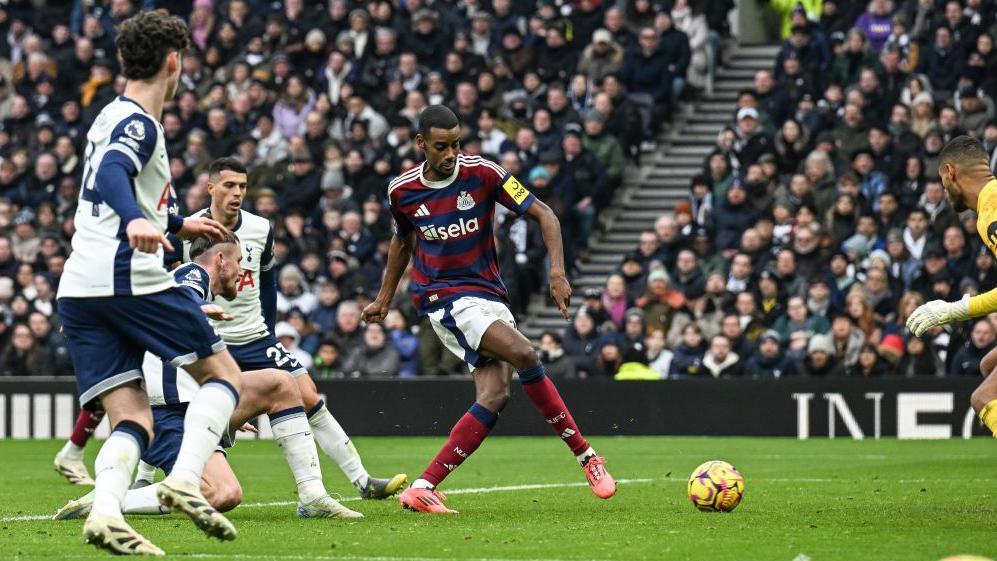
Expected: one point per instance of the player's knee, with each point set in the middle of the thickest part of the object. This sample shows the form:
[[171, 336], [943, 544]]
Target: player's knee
[[285, 389], [523, 357], [981, 396], [227, 496], [494, 399]]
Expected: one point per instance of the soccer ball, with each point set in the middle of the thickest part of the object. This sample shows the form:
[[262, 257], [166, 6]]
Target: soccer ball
[[716, 486]]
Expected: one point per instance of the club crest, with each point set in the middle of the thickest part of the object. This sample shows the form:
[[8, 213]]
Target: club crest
[[465, 201]]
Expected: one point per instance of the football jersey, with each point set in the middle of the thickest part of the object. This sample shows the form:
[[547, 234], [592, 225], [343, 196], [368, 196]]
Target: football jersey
[[256, 237], [102, 263], [453, 221], [986, 215], [164, 383]]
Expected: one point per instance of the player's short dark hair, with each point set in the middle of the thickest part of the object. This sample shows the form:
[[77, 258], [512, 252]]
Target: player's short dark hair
[[963, 150], [436, 117], [202, 244], [145, 39], [225, 164]]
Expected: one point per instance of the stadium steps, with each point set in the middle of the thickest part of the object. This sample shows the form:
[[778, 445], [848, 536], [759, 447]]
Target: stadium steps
[[658, 184]]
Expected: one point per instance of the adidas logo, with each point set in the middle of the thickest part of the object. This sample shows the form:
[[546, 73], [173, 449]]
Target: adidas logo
[[422, 211], [441, 233], [567, 433]]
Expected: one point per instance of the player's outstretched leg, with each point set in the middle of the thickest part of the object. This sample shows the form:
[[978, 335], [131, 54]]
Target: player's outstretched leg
[[492, 394], [69, 461], [206, 420], [510, 345], [105, 526], [336, 444]]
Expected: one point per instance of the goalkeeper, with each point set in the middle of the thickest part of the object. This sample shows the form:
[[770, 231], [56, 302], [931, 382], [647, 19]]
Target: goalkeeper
[[969, 184]]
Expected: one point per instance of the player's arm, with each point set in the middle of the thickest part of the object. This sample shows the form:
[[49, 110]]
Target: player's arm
[[399, 255], [131, 145], [268, 284], [550, 228]]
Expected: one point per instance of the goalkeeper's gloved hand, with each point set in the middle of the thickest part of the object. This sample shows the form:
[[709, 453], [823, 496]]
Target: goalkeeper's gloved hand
[[937, 312]]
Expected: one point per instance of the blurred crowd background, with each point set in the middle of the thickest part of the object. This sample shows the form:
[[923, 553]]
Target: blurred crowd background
[[817, 225]]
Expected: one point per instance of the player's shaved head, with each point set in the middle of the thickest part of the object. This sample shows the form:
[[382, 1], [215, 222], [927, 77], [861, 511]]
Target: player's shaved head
[[437, 117], [964, 169], [203, 247]]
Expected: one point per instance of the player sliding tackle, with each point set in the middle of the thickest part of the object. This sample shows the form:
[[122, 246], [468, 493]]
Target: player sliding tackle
[[443, 211], [969, 184], [117, 301], [216, 272]]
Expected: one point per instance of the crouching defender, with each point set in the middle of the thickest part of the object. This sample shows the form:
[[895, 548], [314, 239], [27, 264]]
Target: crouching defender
[[969, 184], [215, 272]]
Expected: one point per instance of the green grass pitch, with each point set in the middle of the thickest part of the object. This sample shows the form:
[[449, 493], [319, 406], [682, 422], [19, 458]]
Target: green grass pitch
[[819, 500]]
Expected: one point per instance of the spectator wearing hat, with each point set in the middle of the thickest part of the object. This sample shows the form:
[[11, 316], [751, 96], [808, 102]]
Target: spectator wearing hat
[[974, 112], [869, 364], [751, 141], [601, 57], [942, 62], [581, 342], [634, 275], [771, 299], [769, 362], [891, 350], [819, 359], [660, 302], [687, 358], [328, 362], [856, 55], [289, 338]]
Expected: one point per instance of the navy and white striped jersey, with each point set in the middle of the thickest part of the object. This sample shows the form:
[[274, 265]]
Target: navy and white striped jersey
[[126, 175], [164, 383]]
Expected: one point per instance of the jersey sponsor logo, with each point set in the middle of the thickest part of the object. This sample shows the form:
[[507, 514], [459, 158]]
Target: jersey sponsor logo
[[246, 280], [515, 190], [465, 201], [135, 129], [450, 231], [164, 198]]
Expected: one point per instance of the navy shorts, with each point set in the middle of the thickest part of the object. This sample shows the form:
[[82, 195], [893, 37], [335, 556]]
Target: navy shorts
[[167, 423], [108, 336], [266, 352]]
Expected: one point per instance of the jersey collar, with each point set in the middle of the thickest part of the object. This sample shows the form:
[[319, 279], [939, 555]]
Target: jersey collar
[[443, 182]]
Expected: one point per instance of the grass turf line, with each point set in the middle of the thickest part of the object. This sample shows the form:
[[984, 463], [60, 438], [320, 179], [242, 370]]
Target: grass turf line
[[826, 500]]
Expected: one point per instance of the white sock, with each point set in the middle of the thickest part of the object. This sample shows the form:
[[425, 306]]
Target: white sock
[[203, 426], [113, 472], [71, 451], [336, 444], [584, 456], [145, 472], [143, 501], [422, 484], [294, 436]]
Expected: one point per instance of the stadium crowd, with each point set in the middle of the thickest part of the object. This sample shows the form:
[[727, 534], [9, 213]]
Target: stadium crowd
[[818, 223], [320, 101]]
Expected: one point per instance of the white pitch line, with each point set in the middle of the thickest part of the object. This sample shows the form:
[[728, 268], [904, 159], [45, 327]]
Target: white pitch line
[[466, 491], [295, 557]]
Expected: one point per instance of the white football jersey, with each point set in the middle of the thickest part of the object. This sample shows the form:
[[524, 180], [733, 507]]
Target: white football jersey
[[256, 237], [102, 264]]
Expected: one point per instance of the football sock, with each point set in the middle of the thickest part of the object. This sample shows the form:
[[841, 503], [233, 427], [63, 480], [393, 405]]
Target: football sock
[[204, 425], [86, 423], [145, 472], [294, 436], [332, 439], [989, 416], [545, 398], [465, 437], [114, 465], [143, 501]]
